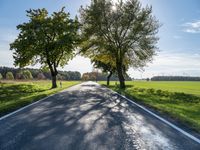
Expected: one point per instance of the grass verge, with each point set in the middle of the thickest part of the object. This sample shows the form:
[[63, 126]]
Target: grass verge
[[181, 106], [14, 94]]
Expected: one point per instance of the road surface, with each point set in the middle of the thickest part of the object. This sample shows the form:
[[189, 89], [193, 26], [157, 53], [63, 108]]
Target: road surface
[[88, 117]]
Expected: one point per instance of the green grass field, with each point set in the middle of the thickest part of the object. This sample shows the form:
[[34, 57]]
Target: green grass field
[[172, 86], [14, 95], [179, 100]]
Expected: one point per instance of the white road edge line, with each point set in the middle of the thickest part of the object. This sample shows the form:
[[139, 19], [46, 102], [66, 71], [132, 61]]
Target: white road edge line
[[20, 109], [160, 118]]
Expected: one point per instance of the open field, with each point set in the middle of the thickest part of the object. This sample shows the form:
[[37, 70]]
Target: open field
[[171, 86], [14, 94], [179, 100]]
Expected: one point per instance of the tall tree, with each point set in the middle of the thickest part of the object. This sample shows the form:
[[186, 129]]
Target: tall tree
[[105, 63], [48, 40], [125, 29]]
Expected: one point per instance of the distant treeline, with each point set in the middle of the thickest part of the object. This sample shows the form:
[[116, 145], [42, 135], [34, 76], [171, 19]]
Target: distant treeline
[[29, 73], [93, 76], [175, 78]]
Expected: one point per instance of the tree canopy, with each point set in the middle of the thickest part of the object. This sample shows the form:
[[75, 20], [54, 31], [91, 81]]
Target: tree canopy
[[105, 63], [125, 31], [46, 39], [38, 73]]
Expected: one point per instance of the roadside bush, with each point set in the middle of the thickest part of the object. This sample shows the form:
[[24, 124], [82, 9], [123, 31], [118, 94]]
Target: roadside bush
[[1, 77], [161, 93], [184, 97], [24, 74], [135, 89], [141, 90], [9, 76], [150, 91], [173, 97], [27, 74]]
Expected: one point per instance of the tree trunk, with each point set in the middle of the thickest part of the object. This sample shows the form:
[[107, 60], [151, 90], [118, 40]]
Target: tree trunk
[[121, 79], [53, 70], [54, 84], [53, 76], [121, 76], [108, 78]]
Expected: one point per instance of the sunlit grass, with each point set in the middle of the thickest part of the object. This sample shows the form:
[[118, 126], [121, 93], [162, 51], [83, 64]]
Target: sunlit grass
[[172, 86], [179, 100], [14, 95]]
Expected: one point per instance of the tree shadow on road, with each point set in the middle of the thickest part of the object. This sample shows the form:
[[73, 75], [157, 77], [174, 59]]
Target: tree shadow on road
[[77, 120]]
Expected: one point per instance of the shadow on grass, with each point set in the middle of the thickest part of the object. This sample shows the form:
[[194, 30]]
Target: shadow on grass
[[180, 106], [16, 91], [175, 97], [15, 96]]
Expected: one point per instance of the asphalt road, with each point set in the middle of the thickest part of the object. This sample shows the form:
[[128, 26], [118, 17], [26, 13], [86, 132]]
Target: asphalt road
[[88, 117]]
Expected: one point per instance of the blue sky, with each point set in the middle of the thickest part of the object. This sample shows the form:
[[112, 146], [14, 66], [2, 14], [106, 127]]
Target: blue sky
[[179, 42]]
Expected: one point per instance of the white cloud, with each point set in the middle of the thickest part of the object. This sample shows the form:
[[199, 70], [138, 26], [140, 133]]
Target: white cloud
[[80, 64], [192, 27], [171, 64]]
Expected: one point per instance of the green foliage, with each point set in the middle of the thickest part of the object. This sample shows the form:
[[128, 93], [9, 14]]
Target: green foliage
[[9, 76], [126, 33], [24, 74], [44, 39], [103, 62], [27, 74], [40, 73], [1, 77], [150, 91], [168, 96]]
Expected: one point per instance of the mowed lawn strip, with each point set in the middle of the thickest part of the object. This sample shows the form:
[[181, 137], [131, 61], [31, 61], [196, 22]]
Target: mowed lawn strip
[[179, 100], [14, 94]]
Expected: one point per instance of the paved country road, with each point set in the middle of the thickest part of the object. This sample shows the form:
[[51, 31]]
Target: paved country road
[[88, 117]]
